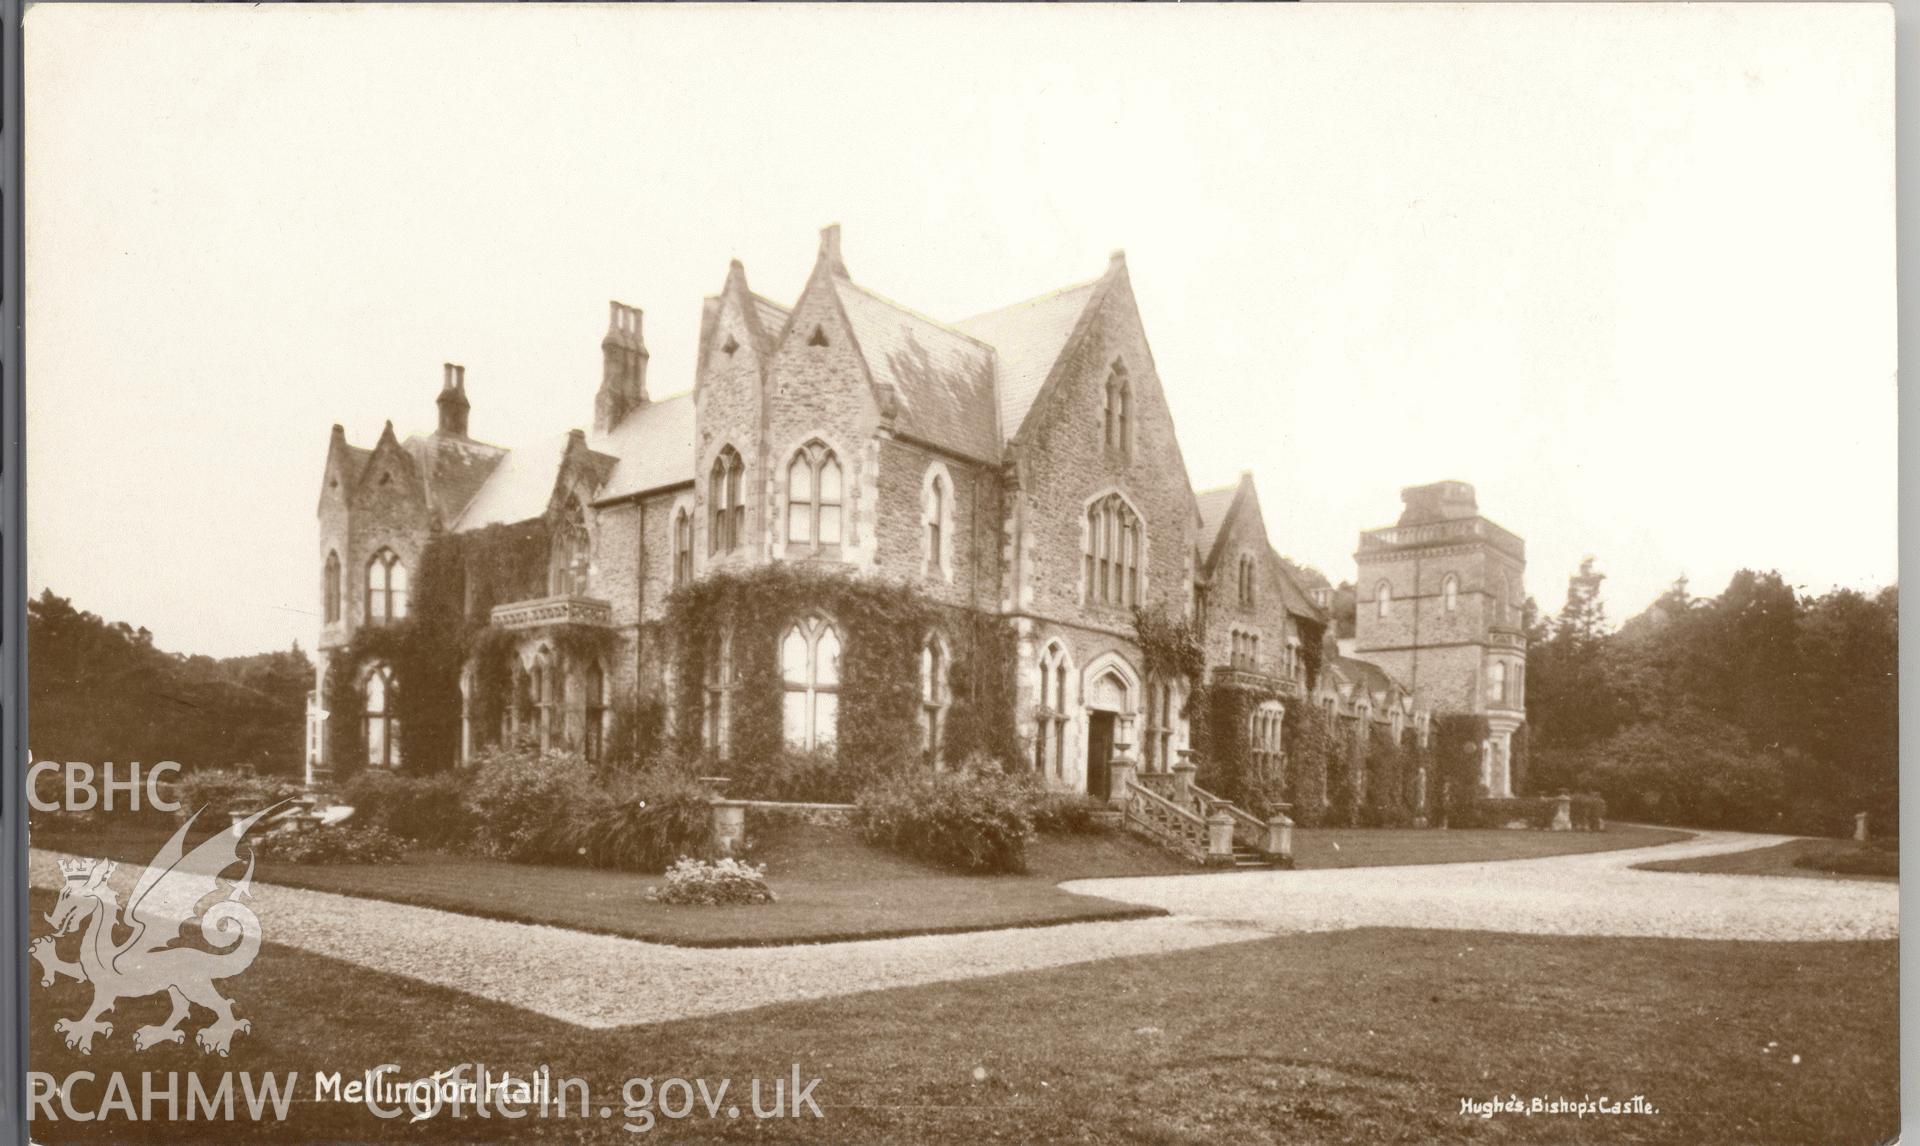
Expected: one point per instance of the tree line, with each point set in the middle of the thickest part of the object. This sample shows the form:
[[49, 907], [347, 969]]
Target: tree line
[[100, 691], [1762, 708]]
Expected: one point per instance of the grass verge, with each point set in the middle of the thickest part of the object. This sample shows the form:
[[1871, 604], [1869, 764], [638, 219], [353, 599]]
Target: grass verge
[[1362, 1036], [833, 887], [1806, 859]]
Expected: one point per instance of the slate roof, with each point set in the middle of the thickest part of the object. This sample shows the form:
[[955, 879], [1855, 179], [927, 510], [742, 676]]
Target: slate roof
[[654, 444], [520, 486], [1367, 676], [772, 317], [943, 378], [453, 469], [1214, 505], [1027, 338]]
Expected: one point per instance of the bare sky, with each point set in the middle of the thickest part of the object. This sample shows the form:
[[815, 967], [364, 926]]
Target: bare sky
[[1628, 270]]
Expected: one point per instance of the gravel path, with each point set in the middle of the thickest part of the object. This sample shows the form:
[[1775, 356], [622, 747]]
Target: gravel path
[[1599, 893], [604, 981], [607, 981]]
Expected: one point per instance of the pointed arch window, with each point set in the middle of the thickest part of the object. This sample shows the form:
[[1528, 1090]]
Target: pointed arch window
[[572, 553], [330, 587], [934, 517], [810, 674], [1263, 737], [682, 548], [383, 729], [1114, 547], [1383, 600], [934, 695], [813, 497], [1118, 410], [1050, 727], [1246, 580], [386, 588], [1450, 593], [543, 690], [593, 683], [1161, 714], [719, 694], [726, 506]]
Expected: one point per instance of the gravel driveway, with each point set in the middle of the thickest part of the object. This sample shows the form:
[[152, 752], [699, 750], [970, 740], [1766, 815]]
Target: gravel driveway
[[1598, 893], [604, 981]]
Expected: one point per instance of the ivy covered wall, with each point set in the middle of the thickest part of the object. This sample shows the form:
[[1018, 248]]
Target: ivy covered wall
[[882, 628]]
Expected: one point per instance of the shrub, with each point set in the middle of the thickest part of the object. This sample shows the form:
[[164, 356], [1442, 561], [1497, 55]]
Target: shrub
[[430, 809], [693, 881], [1497, 812], [342, 844], [520, 798], [820, 776], [223, 791], [637, 823], [975, 821], [1067, 813], [1589, 813]]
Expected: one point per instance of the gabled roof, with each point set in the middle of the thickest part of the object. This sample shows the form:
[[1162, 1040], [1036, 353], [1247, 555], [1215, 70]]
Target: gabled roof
[[655, 446], [1215, 506], [1027, 339], [1367, 676], [452, 468], [1293, 596], [943, 378], [772, 317], [1306, 576], [520, 487]]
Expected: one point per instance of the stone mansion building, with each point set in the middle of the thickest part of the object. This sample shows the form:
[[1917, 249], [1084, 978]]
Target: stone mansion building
[[1021, 463]]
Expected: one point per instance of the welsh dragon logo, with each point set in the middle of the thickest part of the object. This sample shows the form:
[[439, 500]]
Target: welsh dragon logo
[[149, 960]]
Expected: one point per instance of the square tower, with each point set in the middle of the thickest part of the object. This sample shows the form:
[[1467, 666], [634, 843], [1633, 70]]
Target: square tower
[[1440, 599]]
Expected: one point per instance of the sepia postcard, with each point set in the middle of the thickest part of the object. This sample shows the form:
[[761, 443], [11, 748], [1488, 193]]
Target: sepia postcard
[[955, 573]]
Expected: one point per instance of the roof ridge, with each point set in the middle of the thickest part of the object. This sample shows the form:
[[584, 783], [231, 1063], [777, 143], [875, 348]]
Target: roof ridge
[[921, 315], [1044, 296]]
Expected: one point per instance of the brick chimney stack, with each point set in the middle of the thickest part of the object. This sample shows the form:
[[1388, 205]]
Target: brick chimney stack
[[453, 401], [623, 382]]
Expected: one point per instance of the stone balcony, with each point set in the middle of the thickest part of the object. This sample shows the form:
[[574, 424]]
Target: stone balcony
[[566, 609], [1261, 673]]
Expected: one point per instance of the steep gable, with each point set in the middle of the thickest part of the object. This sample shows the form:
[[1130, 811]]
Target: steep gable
[[1027, 339], [940, 380]]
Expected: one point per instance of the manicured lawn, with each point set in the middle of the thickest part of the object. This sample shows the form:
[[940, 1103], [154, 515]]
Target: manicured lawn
[[832, 886], [1363, 1036], [1806, 859], [1388, 847]]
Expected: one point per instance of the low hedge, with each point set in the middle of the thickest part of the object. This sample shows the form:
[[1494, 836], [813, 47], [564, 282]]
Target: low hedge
[[970, 820], [1585, 813], [217, 793], [431, 810]]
